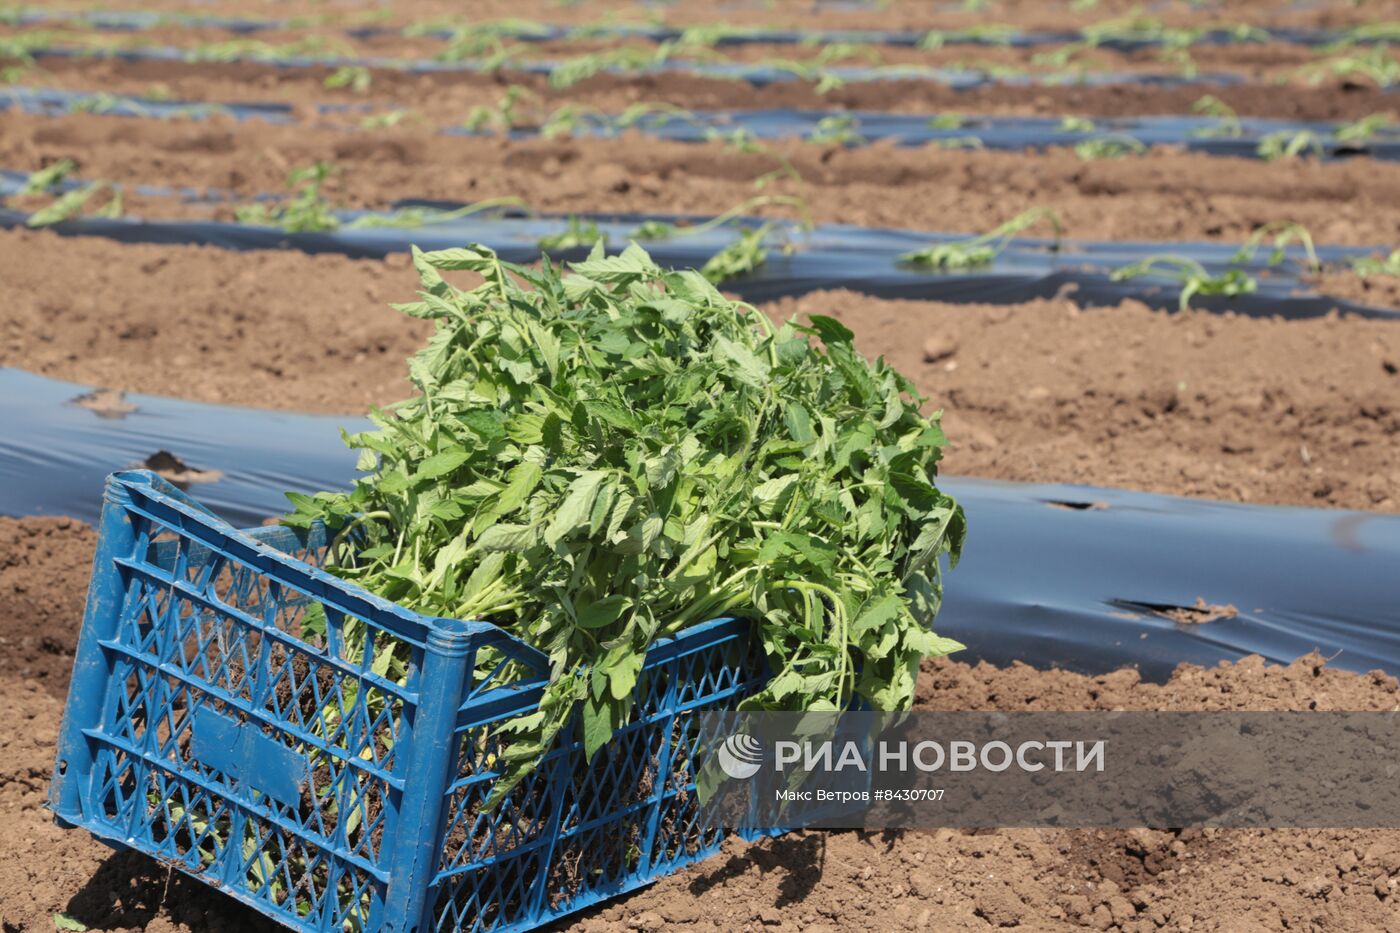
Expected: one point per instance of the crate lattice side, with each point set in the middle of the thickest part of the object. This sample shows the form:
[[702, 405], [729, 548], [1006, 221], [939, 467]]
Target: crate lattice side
[[325, 756]]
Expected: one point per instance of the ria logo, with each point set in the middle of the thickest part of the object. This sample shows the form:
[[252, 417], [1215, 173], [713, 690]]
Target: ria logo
[[740, 756]]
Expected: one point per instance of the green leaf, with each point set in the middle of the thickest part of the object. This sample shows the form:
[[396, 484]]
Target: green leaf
[[522, 480], [604, 612], [574, 511], [442, 464], [65, 922], [600, 720], [930, 645], [749, 367], [831, 331], [509, 538], [632, 262]]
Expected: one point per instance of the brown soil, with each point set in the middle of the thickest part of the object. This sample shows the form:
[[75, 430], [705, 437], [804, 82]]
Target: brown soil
[[447, 98], [947, 880], [1223, 406], [207, 324], [1161, 195], [44, 566], [1298, 412]]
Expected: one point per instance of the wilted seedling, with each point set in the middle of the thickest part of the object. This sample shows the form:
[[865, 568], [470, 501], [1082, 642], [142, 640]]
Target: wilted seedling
[[1077, 125], [412, 217], [982, 250], [308, 210], [355, 77], [233, 50], [1367, 266], [1194, 278], [740, 139], [1375, 65], [709, 35], [660, 230], [388, 119], [1287, 144], [1181, 59], [742, 256], [840, 129], [103, 102], [571, 71], [1281, 234], [1113, 146], [577, 233], [569, 119], [947, 121], [959, 142], [72, 205], [988, 34], [654, 113], [1228, 121], [503, 116], [1366, 33], [48, 177], [1361, 131]]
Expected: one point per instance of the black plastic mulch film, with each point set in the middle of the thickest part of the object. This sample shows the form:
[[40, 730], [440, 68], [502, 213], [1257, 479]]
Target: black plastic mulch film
[[862, 259], [1245, 137], [1126, 38], [1083, 578]]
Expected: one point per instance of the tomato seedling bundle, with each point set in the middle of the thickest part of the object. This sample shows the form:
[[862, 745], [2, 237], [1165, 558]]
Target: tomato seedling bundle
[[600, 458]]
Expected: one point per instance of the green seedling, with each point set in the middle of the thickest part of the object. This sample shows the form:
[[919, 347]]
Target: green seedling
[[1286, 144], [1192, 276], [1077, 125], [501, 117], [948, 121], [1280, 234], [1113, 146], [355, 77], [1367, 266], [840, 129], [388, 119], [1375, 65], [659, 230], [413, 217], [981, 250], [741, 257], [1228, 121], [1363, 130], [46, 178], [73, 203], [307, 211], [576, 233]]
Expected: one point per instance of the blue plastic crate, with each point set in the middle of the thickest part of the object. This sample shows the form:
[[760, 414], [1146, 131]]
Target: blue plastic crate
[[219, 724]]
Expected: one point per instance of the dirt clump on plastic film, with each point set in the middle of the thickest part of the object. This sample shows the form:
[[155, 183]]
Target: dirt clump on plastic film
[[938, 880]]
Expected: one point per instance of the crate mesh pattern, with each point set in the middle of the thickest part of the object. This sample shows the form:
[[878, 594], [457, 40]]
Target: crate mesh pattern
[[327, 757]]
